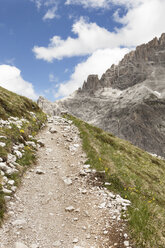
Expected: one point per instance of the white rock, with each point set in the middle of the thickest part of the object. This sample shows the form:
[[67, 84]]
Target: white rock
[[107, 184], [2, 173], [41, 143], [125, 235], [69, 209], [67, 181], [126, 243], [102, 205], [57, 244], [11, 158], [88, 236], [34, 246], [31, 143], [20, 245], [84, 191], [86, 166], [52, 130], [2, 144], [75, 241], [3, 166], [7, 198], [82, 173], [40, 171], [11, 182], [13, 188], [18, 154], [6, 191], [19, 222], [11, 171]]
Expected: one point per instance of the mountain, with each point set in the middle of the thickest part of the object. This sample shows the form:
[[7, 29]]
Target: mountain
[[128, 100]]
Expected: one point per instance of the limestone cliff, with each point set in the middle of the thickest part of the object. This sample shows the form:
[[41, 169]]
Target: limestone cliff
[[128, 100]]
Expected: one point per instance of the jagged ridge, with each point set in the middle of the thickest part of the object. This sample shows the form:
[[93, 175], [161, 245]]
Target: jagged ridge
[[128, 100]]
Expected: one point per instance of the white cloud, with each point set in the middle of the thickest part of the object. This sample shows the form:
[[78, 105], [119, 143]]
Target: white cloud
[[141, 23], [10, 78], [52, 78], [91, 66], [102, 3], [51, 7], [50, 14], [90, 38]]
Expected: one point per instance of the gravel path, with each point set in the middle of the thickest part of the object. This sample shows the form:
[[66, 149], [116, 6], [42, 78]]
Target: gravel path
[[56, 206]]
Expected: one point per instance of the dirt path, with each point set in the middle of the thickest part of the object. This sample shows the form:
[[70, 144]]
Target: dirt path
[[56, 206]]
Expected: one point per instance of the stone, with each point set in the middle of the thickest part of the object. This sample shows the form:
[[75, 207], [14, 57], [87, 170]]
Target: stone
[[7, 198], [18, 154], [75, 241], [11, 182], [6, 191], [2, 144], [20, 245], [20, 222], [13, 188], [40, 171], [57, 244], [67, 181], [31, 143], [41, 143], [34, 246], [126, 243], [11, 158], [52, 130], [3, 166], [82, 173], [69, 209]]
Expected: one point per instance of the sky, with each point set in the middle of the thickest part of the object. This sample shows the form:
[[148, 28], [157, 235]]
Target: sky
[[49, 47]]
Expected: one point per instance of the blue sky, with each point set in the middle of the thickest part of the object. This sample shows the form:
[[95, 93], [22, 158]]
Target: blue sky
[[49, 47]]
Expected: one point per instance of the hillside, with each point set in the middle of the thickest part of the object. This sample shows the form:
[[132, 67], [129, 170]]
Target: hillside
[[20, 120], [135, 175], [128, 100]]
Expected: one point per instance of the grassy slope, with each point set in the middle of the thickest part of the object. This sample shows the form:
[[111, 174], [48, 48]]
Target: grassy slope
[[13, 105], [134, 174]]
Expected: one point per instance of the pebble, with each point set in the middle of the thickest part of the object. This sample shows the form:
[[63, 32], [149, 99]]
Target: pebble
[[19, 222], [20, 245], [126, 243], [57, 244], [67, 181], [52, 130], [40, 172], [7, 198], [69, 209], [75, 241]]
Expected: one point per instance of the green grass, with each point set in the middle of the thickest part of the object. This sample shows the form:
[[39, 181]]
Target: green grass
[[136, 176], [13, 105]]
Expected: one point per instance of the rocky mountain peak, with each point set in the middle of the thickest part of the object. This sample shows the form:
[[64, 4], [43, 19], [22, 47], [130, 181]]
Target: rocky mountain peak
[[128, 100]]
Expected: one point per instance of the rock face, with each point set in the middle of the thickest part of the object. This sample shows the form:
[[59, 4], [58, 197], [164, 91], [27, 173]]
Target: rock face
[[128, 100]]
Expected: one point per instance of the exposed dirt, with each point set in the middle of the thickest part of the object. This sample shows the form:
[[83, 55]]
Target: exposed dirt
[[38, 215]]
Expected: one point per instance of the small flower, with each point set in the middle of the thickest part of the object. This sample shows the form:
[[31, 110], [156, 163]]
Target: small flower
[[99, 159], [22, 131]]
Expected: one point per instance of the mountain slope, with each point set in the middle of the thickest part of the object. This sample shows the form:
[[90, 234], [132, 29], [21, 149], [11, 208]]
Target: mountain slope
[[128, 100], [135, 175], [20, 120]]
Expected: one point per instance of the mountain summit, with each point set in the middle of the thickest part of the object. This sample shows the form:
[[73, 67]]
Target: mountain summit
[[128, 100]]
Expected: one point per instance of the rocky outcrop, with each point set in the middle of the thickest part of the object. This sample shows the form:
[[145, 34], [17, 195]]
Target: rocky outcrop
[[128, 100]]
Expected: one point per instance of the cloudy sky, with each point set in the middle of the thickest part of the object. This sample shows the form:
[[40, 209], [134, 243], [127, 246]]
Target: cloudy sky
[[49, 47]]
